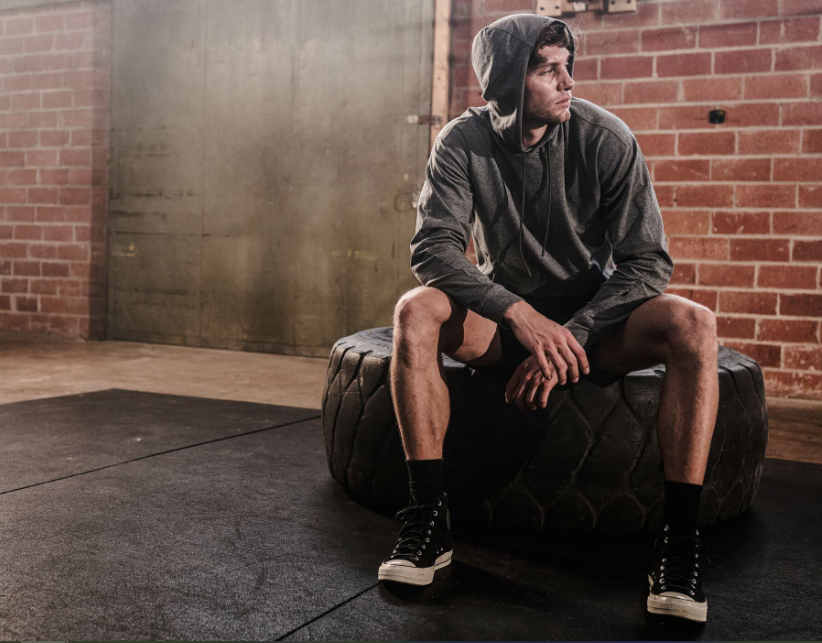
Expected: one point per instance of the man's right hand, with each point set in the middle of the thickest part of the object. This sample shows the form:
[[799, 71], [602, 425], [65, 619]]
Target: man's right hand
[[553, 345]]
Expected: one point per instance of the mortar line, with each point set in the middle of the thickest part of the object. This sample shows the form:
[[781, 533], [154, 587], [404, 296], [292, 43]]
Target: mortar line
[[327, 612]]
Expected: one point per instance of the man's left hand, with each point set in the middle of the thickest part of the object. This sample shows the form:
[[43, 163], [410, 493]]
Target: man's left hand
[[528, 386]]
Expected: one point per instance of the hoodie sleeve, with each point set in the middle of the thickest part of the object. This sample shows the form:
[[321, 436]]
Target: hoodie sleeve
[[634, 224], [442, 232]]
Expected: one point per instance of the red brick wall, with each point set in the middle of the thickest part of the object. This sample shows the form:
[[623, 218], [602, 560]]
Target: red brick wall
[[741, 201], [54, 124]]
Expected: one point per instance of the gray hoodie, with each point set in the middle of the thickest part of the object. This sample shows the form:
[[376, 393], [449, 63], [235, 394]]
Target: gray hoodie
[[573, 216]]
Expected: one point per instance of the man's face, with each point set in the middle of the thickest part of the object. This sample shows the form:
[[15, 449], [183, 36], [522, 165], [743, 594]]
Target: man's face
[[547, 88]]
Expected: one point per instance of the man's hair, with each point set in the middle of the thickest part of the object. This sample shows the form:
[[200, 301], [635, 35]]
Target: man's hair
[[553, 34]]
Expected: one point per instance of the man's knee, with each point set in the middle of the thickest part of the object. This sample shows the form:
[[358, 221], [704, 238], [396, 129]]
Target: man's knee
[[421, 312], [690, 329]]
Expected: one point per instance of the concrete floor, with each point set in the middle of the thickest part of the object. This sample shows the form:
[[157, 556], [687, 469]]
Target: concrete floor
[[42, 366]]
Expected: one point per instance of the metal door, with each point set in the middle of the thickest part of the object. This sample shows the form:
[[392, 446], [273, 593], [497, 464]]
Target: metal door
[[263, 169]]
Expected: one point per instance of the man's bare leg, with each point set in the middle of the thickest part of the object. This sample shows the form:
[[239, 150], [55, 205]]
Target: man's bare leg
[[681, 334], [426, 323]]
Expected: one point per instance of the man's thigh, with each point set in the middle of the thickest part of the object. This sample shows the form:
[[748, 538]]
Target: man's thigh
[[470, 338], [639, 342]]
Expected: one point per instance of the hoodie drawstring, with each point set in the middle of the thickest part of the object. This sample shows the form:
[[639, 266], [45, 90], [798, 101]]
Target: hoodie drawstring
[[548, 218], [522, 214]]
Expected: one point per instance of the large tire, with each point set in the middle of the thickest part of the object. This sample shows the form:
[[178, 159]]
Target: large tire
[[590, 460]]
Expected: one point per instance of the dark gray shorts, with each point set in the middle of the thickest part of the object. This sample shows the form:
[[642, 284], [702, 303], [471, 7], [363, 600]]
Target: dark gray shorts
[[559, 310]]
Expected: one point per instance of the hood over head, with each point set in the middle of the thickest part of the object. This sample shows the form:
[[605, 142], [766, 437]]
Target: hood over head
[[500, 55]]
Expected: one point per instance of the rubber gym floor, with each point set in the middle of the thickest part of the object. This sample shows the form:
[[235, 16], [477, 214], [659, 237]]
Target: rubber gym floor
[[155, 493]]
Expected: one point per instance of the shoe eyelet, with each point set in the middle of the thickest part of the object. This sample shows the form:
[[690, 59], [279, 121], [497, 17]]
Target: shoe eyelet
[[666, 539], [666, 528], [696, 573], [696, 555], [435, 512], [663, 587], [419, 553], [427, 539], [439, 502], [697, 564], [429, 531], [663, 567], [432, 523], [692, 593], [664, 559]]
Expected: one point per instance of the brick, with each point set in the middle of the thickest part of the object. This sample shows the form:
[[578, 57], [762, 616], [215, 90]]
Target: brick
[[28, 232], [707, 298], [586, 69], [760, 249], [809, 113], [706, 143], [13, 250], [803, 359], [784, 330], [801, 384], [725, 275], [800, 305], [25, 304], [646, 15], [668, 38], [44, 286], [664, 195], [10, 321], [602, 94], [740, 169], [664, 91], [763, 354], [812, 141], [810, 196], [783, 86], [58, 233], [684, 273], [748, 9], [608, 43], [73, 252], [739, 34], [626, 67], [724, 222], [807, 250], [769, 142], [702, 89], [797, 169], [765, 196], [26, 268], [15, 285], [704, 196], [39, 251], [740, 327], [787, 277], [799, 57], [638, 118], [682, 170], [685, 11], [761, 303], [54, 269], [657, 144], [801, 7], [743, 61], [786, 31], [699, 248], [492, 6], [752, 115], [689, 222], [696, 64]]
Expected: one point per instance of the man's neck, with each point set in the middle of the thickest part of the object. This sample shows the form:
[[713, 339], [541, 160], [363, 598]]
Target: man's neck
[[532, 134]]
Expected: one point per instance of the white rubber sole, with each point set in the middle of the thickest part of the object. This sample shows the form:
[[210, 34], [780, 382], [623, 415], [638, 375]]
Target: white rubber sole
[[401, 571], [673, 606]]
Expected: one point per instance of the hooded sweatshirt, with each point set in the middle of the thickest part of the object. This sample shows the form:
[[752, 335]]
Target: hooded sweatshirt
[[574, 216]]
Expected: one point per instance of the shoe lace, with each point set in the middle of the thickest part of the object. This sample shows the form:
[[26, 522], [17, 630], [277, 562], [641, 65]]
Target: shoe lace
[[679, 561], [417, 522]]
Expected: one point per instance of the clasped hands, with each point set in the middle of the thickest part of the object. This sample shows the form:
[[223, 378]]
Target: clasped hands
[[555, 356]]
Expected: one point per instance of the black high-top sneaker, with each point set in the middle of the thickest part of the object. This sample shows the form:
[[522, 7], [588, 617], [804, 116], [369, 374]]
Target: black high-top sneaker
[[424, 544], [676, 575]]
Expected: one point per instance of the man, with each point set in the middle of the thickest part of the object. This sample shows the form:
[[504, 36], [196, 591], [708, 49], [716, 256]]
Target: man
[[572, 269]]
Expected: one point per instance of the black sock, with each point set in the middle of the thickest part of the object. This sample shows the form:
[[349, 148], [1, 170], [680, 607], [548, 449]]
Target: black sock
[[426, 479], [681, 504]]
